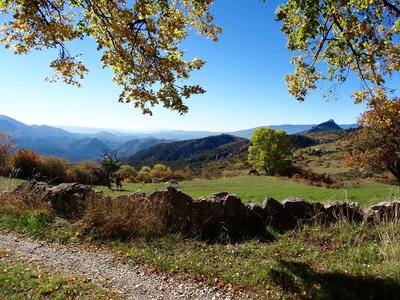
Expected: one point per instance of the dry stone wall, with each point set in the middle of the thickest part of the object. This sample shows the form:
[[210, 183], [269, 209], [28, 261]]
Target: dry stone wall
[[222, 213]]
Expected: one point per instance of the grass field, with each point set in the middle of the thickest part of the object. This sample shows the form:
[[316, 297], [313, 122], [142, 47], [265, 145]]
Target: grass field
[[254, 189]]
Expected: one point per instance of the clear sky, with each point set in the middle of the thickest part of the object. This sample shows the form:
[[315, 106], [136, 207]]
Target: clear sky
[[243, 76]]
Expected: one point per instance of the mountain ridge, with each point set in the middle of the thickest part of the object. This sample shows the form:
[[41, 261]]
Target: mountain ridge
[[49, 140]]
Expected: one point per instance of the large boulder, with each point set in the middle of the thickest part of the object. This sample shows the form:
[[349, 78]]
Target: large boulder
[[296, 212], [68, 200], [384, 211]]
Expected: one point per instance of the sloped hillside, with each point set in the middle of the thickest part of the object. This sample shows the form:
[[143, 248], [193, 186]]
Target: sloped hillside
[[191, 153]]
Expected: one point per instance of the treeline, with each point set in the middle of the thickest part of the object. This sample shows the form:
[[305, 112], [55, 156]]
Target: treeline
[[27, 164]]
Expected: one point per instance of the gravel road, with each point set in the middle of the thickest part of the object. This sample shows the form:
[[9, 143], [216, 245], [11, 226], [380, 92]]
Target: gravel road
[[130, 281]]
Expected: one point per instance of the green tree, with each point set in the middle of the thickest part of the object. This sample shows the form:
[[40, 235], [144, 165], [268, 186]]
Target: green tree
[[110, 163], [335, 38], [140, 41], [270, 151], [6, 147]]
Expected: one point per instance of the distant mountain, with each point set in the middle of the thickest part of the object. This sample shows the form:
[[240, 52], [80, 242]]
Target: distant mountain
[[290, 129], [190, 153], [80, 146], [325, 126], [75, 147], [133, 146]]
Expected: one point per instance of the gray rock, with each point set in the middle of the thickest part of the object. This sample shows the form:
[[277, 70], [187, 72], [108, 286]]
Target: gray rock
[[296, 212], [68, 200], [273, 213]]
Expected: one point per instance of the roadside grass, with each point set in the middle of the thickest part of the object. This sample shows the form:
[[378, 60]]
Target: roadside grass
[[22, 280], [339, 262], [254, 189], [342, 261]]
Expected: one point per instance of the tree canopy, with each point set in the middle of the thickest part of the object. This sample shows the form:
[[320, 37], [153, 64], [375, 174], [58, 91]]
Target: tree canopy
[[270, 151], [377, 145], [140, 41], [357, 36]]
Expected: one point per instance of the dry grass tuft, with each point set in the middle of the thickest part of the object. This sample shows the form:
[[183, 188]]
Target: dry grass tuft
[[124, 217], [24, 199]]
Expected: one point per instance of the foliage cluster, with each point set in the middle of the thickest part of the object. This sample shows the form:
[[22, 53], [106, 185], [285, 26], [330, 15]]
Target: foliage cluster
[[140, 41], [377, 144], [271, 151], [28, 164]]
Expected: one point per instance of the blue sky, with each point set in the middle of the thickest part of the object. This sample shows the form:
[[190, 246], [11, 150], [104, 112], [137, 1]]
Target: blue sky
[[243, 76]]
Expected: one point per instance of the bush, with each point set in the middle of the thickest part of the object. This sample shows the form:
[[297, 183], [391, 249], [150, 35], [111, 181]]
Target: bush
[[229, 174], [53, 169], [126, 171], [28, 162], [312, 178], [85, 173], [162, 172]]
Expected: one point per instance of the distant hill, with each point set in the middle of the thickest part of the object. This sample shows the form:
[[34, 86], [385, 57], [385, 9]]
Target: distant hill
[[289, 129], [191, 153], [325, 126], [133, 146]]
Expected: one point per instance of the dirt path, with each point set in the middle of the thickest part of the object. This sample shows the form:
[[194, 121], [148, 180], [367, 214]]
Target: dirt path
[[132, 282]]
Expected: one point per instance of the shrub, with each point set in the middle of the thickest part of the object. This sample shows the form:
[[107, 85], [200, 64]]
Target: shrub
[[161, 172], [182, 175], [53, 169], [27, 161], [126, 171]]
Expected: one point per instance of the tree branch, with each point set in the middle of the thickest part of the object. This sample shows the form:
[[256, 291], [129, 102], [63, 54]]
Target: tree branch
[[392, 7]]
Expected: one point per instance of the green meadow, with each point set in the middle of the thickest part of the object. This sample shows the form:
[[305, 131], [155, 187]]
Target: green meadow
[[254, 189]]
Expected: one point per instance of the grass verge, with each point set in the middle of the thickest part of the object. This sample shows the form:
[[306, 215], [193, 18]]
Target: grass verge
[[342, 261], [20, 280]]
